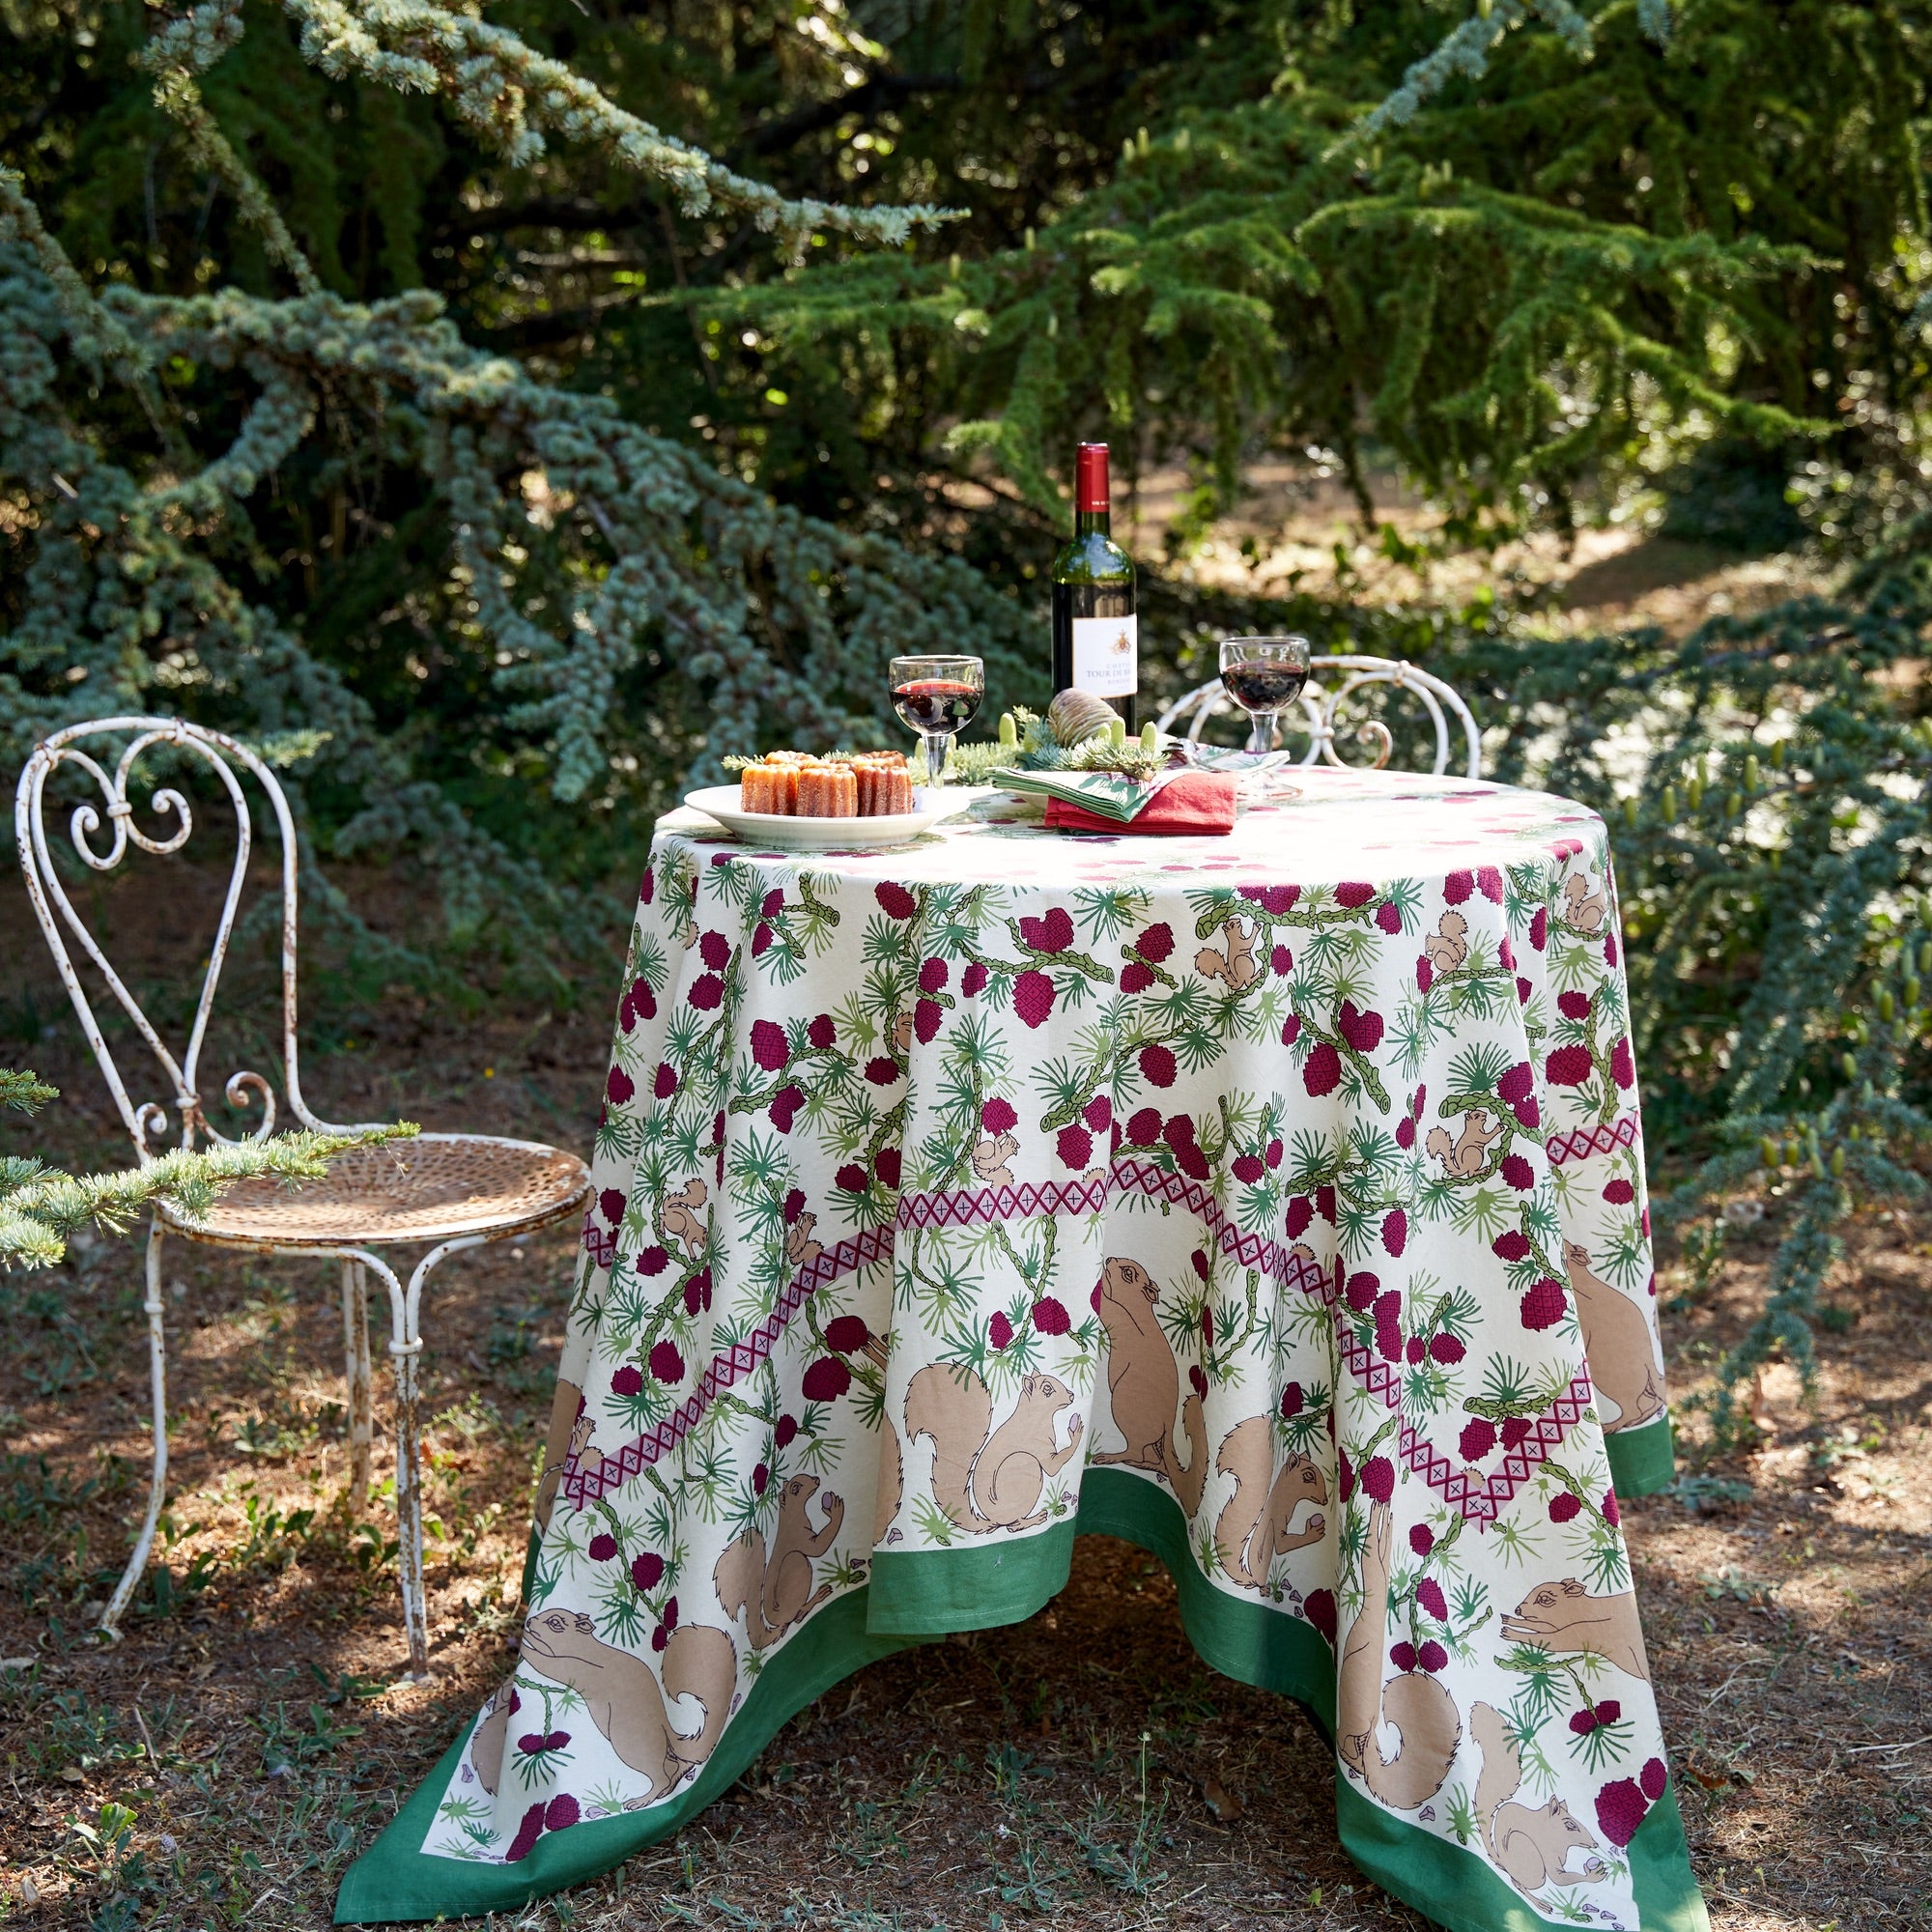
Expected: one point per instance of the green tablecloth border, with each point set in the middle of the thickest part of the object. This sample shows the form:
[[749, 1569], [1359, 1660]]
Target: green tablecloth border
[[914, 1597], [1642, 1460], [392, 1880]]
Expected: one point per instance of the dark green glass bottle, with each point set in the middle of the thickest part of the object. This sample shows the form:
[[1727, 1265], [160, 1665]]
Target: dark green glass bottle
[[1095, 636]]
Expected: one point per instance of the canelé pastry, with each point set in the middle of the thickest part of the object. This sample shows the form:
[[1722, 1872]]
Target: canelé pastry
[[885, 786], [872, 784], [828, 791], [769, 787]]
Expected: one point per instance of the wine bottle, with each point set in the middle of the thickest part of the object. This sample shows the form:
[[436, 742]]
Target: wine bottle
[[1095, 641]]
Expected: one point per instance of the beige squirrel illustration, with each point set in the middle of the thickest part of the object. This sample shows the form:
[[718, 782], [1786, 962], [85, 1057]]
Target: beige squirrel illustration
[[1412, 1701], [1448, 945], [679, 1217], [1252, 1529], [987, 1478], [775, 1591], [990, 1158], [571, 1429], [1584, 910], [486, 1743], [1531, 1845], [889, 1490], [1465, 1157], [1237, 966], [801, 1250], [1617, 1343], [1144, 1386], [1563, 1618], [902, 1034], [622, 1697]]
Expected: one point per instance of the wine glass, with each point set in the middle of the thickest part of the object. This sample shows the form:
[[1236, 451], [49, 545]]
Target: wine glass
[[936, 696], [1262, 675]]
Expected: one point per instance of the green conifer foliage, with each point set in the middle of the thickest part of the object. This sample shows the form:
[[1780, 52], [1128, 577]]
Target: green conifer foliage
[[574, 540], [40, 1208]]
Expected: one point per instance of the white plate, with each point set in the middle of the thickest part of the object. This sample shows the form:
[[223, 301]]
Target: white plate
[[832, 834]]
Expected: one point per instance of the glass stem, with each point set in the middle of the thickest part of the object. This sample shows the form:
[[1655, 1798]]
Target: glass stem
[[937, 744], [1260, 740]]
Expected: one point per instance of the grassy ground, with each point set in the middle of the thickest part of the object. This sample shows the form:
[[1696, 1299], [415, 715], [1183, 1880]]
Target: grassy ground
[[224, 1762]]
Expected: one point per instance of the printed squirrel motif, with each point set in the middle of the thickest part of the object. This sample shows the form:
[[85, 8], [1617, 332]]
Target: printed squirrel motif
[[801, 1250], [990, 1158], [570, 1431], [1418, 1707], [622, 1696], [1564, 1618], [1617, 1340], [987, 1478], [678, 1217], [1465, 1157], [1530, 1845], [1448, 945], [775, 1592], [891, 1489], [1252, 1530], [1583, 911], [1144, 1386], [1237, 965]]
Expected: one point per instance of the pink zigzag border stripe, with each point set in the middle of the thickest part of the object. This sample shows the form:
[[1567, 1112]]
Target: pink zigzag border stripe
[[729, 1366], [1583, 1142], [1482, 1501]]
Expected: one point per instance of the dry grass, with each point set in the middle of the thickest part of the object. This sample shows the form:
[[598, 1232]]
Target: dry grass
[[223, 1764]]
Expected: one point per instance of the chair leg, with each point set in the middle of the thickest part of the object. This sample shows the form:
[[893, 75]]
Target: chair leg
[[406, 1351], [405, 1345], [360, 1377], [157, 1373]]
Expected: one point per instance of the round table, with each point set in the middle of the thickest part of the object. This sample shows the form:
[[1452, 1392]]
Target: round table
[[1273, 1201]]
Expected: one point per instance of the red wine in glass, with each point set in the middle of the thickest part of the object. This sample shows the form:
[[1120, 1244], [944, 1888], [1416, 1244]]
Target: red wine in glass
[[1263, 675], [1264, 687], [935, 694], [941, 704]]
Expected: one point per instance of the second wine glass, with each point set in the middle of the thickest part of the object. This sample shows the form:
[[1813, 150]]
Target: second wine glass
[[1264, 677], [937, 696]]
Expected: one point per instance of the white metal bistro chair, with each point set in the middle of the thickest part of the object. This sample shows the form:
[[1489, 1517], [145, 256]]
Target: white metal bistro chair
[[1319, 702], [451, 1191]]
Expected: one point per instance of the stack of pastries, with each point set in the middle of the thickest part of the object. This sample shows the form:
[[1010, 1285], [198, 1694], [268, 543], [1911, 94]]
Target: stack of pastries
[[794, 784]]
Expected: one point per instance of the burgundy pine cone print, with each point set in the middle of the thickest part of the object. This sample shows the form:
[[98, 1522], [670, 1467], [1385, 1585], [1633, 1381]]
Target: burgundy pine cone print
[[1569, 1067], [1051, 932], [1319, 1608], [826, 1379], [1033, 997], [1321, 1074], [1545, 1305], [1158, 1066], [1620, 1810], [1050, 1317]]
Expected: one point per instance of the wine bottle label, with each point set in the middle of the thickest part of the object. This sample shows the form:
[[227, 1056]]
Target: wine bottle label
[[1106, 656]]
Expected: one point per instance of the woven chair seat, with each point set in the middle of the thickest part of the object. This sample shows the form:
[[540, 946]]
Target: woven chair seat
[[427, 1189]]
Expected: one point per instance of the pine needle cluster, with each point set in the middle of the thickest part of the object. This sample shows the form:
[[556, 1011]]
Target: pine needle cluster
[[40, 1209]]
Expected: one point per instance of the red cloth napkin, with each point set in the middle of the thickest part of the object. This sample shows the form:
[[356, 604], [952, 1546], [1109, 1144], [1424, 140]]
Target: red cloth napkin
[[1194, 805]]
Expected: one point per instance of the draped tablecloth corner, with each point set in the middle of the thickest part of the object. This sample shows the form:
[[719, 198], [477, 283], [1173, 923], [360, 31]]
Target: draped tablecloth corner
[[1274, 1201]]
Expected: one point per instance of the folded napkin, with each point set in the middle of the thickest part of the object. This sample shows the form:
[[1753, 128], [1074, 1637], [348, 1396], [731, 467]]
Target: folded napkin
[[1190, 804]]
